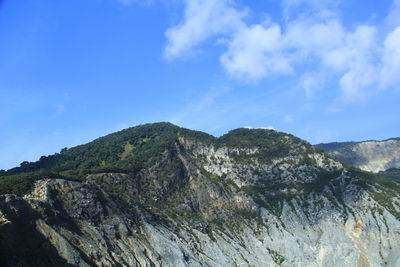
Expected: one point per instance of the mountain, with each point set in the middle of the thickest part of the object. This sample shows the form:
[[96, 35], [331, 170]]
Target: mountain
[[381, 157], [161, 195], [373, 156]]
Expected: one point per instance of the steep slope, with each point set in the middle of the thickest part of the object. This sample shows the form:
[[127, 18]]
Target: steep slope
[[175, 197], [392, 173], [374, 156]]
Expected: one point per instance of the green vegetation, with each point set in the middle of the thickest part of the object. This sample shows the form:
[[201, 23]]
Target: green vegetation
[[344, 151], [393, 174], [250, 138], [371, 178], [134, 149], [228, 184], [387, 188], [20, 184], [323, 179], [121, 151], [17, 184], [272, 194], [269, 143], [126, 151], [335, 145], [146, 171], [155, 177]]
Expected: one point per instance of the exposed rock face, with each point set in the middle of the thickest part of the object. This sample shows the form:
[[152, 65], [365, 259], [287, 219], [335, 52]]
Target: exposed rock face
[[217, 206], [373, 156]]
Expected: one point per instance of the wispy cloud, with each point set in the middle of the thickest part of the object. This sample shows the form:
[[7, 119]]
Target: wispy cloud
[[390, 72], [311, 83], [307, 8], [130, 2], [59, 110], [288, 119], [393, 18], [199, 105]]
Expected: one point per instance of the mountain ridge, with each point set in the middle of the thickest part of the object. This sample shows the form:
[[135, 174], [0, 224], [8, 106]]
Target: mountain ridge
[[168, 196], [372, 155], [104, 153]]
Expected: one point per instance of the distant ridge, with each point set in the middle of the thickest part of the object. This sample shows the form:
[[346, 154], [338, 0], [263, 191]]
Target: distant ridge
[[371, 155]]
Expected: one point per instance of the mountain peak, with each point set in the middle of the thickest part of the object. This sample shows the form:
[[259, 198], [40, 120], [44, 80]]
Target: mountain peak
[[158, 194]]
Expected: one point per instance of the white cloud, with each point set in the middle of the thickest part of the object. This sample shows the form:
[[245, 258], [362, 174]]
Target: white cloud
[[356, 81], [358, 56], [349, 53], [310, 83], [314, 38], [317, 9], [254, 52], [202, 20], [390, 73]]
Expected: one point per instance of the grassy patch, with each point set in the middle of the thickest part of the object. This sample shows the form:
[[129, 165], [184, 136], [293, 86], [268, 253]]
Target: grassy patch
[[127, 150]]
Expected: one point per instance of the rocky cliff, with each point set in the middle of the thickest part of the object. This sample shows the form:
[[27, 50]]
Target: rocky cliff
[[373, 156], [248, 198]]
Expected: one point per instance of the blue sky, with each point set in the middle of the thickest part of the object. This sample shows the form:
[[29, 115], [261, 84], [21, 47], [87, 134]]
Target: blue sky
[[71, 71]]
